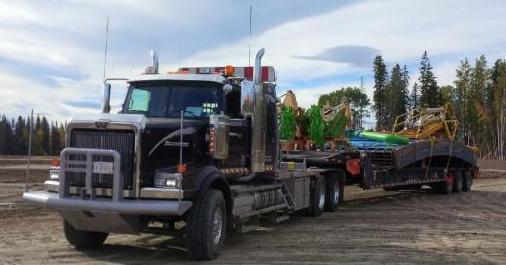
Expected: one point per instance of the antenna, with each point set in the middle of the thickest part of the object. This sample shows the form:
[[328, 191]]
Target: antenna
[[249, 47], [106, 44], [362, 84], [179, 47]]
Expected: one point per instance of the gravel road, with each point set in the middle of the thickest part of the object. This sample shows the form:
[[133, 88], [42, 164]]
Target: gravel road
[[371, 227]]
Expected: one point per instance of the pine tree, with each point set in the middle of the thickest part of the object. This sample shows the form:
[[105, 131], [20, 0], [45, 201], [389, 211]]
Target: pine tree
[[380, 83], [3, 136], [447, 95], [430, 94], [397, 95], [21, 134], [477, 113], [414, 101], [462, 97], [7, 139], [45, 145], [56, 145]]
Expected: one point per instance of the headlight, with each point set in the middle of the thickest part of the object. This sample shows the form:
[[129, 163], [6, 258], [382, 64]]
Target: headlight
[[53, 174], [168, 180], [171, 183]]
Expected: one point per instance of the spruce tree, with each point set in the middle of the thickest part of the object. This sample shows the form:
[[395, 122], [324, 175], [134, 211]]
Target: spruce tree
[[45, 145], [56, 145], [397, 95], [430, 94], [379, 98], [21, 134], [414, 101]]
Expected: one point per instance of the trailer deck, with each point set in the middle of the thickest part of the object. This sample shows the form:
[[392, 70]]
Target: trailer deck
[[386, 165]]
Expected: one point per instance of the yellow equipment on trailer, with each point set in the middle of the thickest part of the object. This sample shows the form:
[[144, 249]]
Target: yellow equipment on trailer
[[425, 123]]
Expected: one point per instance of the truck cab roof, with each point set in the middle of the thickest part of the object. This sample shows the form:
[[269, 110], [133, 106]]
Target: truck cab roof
[[217, 78]]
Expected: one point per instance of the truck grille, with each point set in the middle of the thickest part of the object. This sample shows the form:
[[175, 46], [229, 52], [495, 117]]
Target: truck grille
[[120, 141]]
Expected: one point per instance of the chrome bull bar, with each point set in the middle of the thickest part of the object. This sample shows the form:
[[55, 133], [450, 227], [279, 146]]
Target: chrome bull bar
[[86, 166]]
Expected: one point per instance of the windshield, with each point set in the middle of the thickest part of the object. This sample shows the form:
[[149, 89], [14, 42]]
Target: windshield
[[169, 98]]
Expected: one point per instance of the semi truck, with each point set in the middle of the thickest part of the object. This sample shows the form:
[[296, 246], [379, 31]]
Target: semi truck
[[196, 153]]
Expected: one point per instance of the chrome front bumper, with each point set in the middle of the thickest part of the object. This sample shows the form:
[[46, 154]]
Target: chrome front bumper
[[125, 206], [64, 198]]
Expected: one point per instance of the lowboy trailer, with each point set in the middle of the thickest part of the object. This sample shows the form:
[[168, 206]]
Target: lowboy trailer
[[195, 153]]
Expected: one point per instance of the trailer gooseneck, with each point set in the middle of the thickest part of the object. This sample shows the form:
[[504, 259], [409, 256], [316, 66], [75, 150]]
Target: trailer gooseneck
[[196, 153]]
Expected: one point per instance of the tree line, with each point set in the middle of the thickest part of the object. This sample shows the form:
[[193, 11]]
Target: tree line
[[477, 99], [47, 138]]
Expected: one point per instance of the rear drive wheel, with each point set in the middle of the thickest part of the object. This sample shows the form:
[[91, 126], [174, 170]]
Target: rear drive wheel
[[206, 226], [467, 179], [83, 239], [458, 183], [317, 198]]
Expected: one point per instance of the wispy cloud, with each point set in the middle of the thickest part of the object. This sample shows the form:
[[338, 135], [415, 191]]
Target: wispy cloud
[[353, 55]]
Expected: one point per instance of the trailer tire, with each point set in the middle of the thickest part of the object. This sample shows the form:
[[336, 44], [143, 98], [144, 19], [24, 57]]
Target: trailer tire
[[458, 183], [206, 226], [317, 198], [467, 179], [444, 187], [334, 191], [83, 239]]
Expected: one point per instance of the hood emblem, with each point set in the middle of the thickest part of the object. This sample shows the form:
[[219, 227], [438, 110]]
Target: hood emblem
[[101, 124]]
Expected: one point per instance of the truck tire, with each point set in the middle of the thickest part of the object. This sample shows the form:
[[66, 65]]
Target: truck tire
[[335, 191], [317, 198], [458, 183], [467, 179], [206, 226], [332, 193], [83, 239]]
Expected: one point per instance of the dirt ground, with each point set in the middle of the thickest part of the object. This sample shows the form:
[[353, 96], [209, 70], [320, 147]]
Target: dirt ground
[[371, 227]]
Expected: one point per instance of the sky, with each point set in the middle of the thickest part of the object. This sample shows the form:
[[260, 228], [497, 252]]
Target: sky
[[52, 52]]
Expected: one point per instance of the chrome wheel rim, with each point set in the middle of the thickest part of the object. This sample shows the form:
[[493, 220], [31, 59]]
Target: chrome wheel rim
[[217, 225]]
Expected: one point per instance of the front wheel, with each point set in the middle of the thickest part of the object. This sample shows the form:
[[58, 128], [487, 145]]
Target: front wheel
[[83, 239], [206, 226]]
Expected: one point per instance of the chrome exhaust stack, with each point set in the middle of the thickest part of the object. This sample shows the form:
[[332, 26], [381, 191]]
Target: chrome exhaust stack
[[154, 61], [258, 118], [153, 68], [106, 106]]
